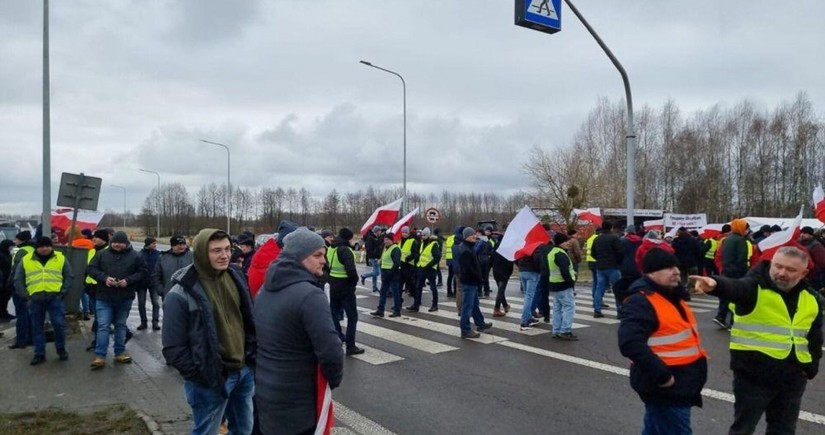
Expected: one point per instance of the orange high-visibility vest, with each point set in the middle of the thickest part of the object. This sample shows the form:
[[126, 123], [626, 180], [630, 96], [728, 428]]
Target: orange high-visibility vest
[[676, 342]]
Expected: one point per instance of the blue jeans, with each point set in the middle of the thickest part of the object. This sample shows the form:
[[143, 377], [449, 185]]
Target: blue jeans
[[209, 406], [86, 308], [23, 326], [347, 303], [606, 277], [469, 308], [54, 306], [376, 272], [106, 313], [666, 420], [529, 282], [390, 286], [564, 307]]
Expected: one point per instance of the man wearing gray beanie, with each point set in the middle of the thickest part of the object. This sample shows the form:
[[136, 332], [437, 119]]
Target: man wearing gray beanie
[[289, 309]]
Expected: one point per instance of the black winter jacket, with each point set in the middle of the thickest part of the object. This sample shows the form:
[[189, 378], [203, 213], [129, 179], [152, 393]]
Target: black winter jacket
[[688, 251], [502, 267], [126, 264], [757, 366], [190, 338], [647, 370], [469, 265], [608, 252]]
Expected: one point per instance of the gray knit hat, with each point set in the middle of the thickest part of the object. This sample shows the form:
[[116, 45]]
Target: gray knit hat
[[469, 231], [301, 243], [425, 232]]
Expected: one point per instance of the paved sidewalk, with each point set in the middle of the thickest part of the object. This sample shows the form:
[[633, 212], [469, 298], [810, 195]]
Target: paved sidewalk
[[147, 385]]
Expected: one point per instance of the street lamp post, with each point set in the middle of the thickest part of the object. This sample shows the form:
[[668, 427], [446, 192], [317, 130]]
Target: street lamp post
[[124, 202], [158, 175], [404, 86], [46, 216], [228, 183]]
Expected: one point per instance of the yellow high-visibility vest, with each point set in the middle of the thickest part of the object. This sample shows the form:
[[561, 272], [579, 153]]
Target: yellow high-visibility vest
[[386, 257], [426, 255], [44, 278], [406, 250], [555, 272], [710, 255], [588, 248], [448, 247], [769, 329]]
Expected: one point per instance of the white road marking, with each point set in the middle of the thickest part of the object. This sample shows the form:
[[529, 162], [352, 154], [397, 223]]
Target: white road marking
[[357, 422], [453, 331], [401, 338]]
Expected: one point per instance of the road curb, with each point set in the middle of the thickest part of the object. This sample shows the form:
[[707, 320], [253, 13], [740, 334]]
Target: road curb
[[150, 423]]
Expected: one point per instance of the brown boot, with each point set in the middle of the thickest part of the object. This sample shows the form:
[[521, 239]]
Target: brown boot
[[497, 313]]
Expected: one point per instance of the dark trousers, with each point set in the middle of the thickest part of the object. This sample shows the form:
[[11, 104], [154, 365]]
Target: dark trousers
[[5, 296], [408, 279], [390, 287], [723, 311], [155, 299], [439, 281], [709, 267], [451, 281], [779, 402], [501, 301], [23, 328], [485, 263], [424, 276], [53, 305], [347, 303], [542, 299]]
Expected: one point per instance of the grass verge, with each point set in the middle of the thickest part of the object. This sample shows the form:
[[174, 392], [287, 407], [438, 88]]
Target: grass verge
[[115, 419]]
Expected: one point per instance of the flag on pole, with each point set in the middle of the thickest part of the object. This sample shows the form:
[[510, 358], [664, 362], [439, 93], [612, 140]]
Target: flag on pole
[[384, 215], [523, 236], [403, 222], [780, 238], [819, 203], [323, 404], [593, 215]]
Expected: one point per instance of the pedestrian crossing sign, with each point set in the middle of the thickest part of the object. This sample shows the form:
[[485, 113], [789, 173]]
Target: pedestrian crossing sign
[[541, 15]]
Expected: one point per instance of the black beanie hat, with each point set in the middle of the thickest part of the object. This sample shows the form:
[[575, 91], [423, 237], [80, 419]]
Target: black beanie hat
[[148, 241], [658, 259], [102, 235], [43, 241], [345, 233], [120, 237], [560, 238]]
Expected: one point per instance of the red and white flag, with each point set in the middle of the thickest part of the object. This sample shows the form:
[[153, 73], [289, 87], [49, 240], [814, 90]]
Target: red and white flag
[[711, 231], [654, 224], [523, 236], [819, 203], [384, 215], [405, 221], [323, 404], [61, 221], [593, 215], [780, 238]]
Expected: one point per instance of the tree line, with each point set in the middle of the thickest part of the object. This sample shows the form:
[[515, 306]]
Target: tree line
[[726, 162]]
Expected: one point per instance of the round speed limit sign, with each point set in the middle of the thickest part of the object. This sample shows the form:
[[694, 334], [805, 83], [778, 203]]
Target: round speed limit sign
[[432, 215]]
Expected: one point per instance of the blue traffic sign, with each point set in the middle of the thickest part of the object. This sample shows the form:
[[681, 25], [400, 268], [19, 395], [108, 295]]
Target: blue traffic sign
[[541, 15]]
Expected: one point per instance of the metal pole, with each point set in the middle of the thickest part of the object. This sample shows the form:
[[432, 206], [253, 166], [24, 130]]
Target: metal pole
[[46, 216], [228, 184], [124, 202], [404, 87], [158, 175], [630, 134]]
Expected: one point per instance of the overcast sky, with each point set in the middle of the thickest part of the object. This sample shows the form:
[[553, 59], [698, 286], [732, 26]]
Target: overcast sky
[[135, 84]]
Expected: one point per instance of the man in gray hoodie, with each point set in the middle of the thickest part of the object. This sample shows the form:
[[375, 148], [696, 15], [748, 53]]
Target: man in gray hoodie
[[296, 338]]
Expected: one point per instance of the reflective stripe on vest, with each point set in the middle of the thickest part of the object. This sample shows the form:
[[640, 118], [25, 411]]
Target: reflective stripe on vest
[[336, 268], [770, 329], [40, 278], [406, 250], [712, 251], [750, 250], [555, 272], [676, 341], [426, 256], [588, 248], [386, 257], [448, 247]]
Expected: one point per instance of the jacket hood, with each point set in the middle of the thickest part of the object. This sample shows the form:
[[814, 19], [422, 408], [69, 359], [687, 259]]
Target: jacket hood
[[739, 226], [457, 231], [200, 248], [633, 238], [286, 271], [284, 228]]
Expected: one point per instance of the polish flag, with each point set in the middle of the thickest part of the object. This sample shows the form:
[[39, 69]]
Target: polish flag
[[523, 236], [323, 404], [819, 203], [61, 221], [593, 215], [405, 221], [384, 215], [654, 224], [711, 231], [780, 238]]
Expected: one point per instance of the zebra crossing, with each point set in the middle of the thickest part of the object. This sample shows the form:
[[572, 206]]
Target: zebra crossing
[[444, 323], [437, 332]]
